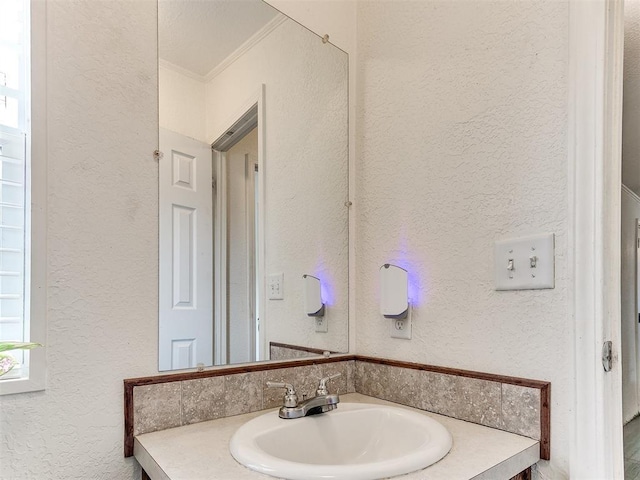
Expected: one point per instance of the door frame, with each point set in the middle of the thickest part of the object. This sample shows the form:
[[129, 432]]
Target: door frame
[[220, 330], [250, 167], [596, 42], [636, 311]]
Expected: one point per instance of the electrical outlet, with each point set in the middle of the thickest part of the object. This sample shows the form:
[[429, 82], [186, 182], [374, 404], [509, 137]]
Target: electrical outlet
[[275, 286], [322, 324], [401, 328]]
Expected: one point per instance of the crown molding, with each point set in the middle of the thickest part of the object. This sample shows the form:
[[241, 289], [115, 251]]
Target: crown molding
[[182, 71], [246, 46]]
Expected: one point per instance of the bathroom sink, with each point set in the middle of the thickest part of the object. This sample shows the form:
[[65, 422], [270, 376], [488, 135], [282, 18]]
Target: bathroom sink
[[357, 441]]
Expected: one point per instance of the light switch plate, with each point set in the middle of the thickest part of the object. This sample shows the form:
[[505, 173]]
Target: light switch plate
[[322, 324], [275, 286], [525, 263]]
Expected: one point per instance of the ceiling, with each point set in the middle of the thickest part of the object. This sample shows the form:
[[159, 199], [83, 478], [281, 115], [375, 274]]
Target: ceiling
[[197, 35]]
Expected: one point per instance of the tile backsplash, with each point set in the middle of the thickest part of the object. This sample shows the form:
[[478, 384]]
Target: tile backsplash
[[172, 404], [515, 405], [494, 404], [278, 351]]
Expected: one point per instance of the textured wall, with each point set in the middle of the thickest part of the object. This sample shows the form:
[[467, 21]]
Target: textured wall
[[102, 243], [631, 106], [630, 208], [305, 172], [181, 103], [629, 314], [239, 328], [334, 18], [338, 20], [462, 133]]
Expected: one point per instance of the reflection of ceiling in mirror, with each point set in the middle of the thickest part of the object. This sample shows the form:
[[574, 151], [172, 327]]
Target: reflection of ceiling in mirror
[[198, 35]]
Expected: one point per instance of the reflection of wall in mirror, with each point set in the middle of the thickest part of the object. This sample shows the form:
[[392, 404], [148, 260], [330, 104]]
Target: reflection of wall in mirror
[[239, 313], [305, 169], [182, 104]]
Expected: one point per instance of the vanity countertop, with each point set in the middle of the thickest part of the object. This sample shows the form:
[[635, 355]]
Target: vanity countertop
[[201, 450]]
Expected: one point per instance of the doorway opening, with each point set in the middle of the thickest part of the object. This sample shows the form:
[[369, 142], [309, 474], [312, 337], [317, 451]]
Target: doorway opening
[[237, 240]]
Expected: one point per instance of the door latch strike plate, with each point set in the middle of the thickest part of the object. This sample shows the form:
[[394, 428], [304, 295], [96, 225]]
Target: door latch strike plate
[[607, 356]]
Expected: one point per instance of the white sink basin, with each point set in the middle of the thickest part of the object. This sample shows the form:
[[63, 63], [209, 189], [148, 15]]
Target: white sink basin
[[357, 441]]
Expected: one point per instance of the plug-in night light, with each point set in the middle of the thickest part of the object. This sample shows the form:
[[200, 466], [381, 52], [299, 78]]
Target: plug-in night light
[[394, 292]]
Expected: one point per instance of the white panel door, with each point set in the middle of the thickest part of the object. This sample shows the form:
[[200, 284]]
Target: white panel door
[[186, 252]]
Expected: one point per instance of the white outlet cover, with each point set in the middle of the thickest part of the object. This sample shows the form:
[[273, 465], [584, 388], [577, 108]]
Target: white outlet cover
[[523, 252], [275, 286], [322, 324], [401, 328]]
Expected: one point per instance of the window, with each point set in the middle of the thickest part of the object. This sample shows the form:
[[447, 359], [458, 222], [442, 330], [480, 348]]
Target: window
[[17, 319]]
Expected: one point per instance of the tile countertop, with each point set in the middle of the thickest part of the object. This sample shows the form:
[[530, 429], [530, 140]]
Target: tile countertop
[[201, 450]]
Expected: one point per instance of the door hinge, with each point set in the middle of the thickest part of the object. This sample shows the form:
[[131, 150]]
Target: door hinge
[[607, 356]]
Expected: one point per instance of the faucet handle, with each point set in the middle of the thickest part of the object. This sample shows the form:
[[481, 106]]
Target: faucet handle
[[290, 398], [322, 385]]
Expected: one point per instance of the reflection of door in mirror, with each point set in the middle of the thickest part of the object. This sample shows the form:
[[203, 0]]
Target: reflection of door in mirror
[[186, 252], [220, 63]]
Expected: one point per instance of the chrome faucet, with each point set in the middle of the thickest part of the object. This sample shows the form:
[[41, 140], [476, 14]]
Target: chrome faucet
[[321, 403]]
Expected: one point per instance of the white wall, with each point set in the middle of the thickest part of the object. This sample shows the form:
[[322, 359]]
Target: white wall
[[240, 326], [182, 103], [631, 107], [311, 100], [629, 313], [462, 133], [334, 18], [305, 172], [338, 20], [102, 243], [630, 207]]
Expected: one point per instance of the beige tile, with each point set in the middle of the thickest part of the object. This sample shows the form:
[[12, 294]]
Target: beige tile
[[304, 379], [478, 401], [631, 439], [283, 353], [351, 376], [336, 385], [440, 395], [156, 407], [470, 399], [359, 371], [631, 469], [521, 410], [203, 399], [243, 393], [635, 455], [373, 379], [408, 387]]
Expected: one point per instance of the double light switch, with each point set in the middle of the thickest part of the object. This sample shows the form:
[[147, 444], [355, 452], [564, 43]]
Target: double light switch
[[525, 263]]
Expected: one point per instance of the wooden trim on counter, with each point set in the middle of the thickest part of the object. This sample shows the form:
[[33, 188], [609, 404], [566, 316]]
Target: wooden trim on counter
[[128, 418], [544, 387], [523, 475], [523, 382], [545, 422]]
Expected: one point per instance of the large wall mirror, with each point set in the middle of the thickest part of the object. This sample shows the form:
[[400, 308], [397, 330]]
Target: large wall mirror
[[253, 186]]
